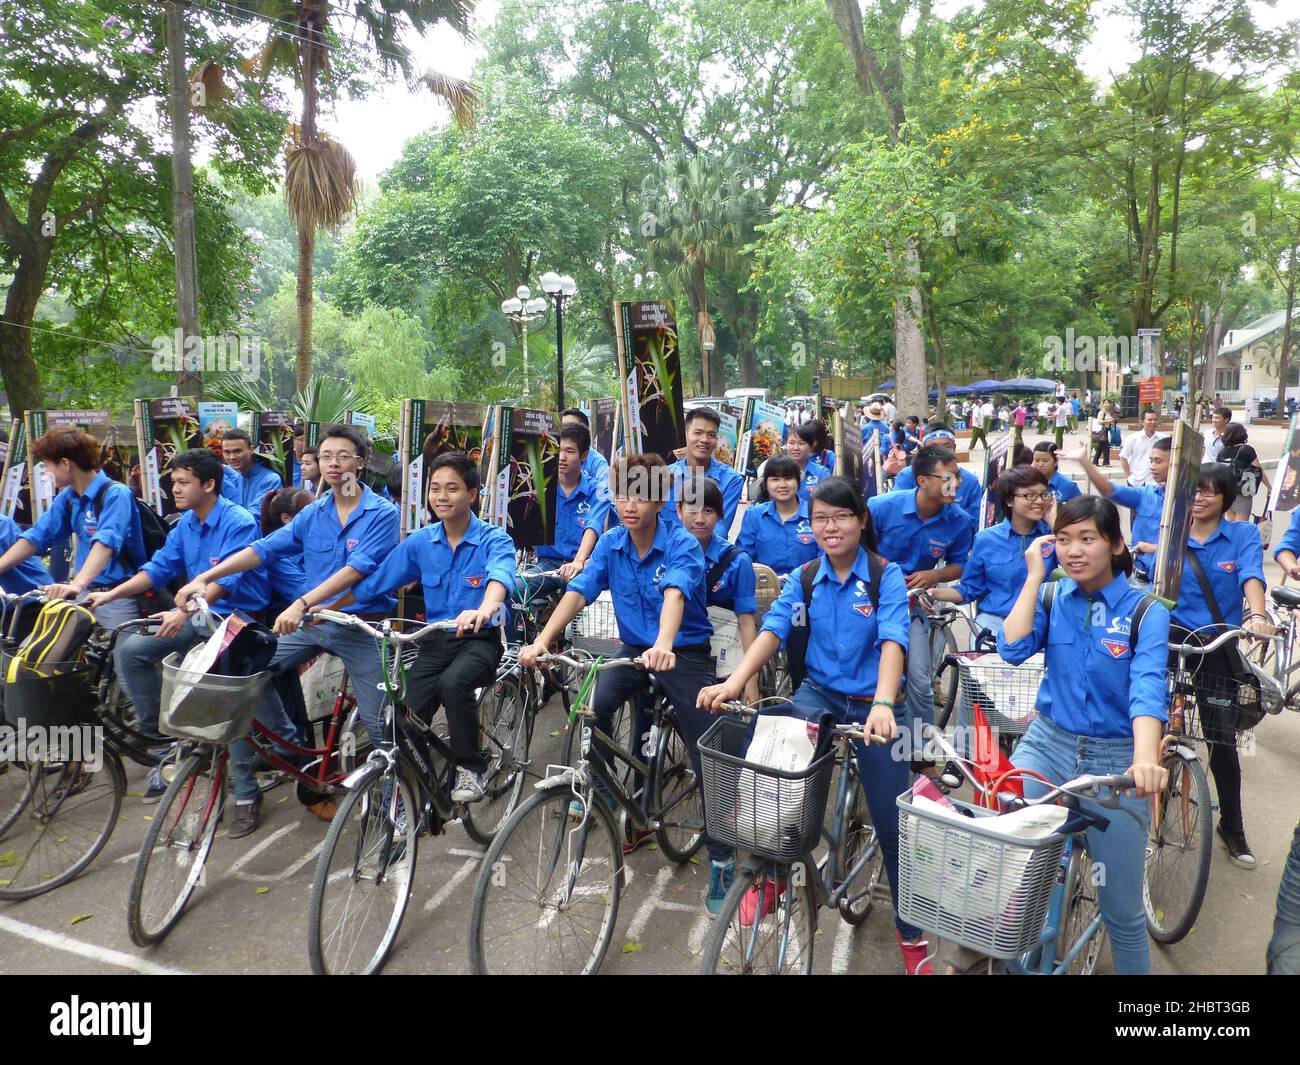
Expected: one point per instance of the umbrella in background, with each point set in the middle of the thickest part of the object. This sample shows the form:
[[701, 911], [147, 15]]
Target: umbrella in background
[[1028, 384], [986, 386], [953, 390]]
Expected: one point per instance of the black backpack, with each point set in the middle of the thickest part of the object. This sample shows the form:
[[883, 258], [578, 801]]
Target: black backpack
[[718, 569], [796, 644]]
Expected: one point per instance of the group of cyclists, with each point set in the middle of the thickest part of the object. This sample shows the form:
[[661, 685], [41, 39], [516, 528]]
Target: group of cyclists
[[860, 580]]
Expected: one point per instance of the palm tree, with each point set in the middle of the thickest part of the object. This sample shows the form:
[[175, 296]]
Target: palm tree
[[697, 209], [320, 175]]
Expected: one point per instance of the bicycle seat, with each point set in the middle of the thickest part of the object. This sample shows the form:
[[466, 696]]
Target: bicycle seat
[[1288, 597]]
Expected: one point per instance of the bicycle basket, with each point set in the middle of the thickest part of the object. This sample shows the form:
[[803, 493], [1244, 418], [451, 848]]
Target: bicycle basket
[[1004, 693], [1213, 708], [769, 812], [596, 628], [59, 694], [205, 706], [971, 884]]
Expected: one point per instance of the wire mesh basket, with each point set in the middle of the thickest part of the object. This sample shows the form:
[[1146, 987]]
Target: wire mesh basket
[[596, 629], [970, 883], [1212, 708], [205, 706], [769, 812], [1004, 693], [767, 586], [58, 694]]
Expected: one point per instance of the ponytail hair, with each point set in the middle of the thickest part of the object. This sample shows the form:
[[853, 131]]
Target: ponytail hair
[[281, 501], [1105, 515]]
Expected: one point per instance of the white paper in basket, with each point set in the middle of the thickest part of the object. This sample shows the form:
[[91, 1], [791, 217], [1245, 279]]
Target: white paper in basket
[[199, 659], [781, 743]]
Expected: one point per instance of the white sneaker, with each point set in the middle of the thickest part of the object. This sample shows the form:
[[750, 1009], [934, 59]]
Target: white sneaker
[[469, 787]]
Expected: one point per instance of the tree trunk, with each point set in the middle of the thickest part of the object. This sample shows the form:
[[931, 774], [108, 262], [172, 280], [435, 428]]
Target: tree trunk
[[1284, 360], [910, 389], [189, 382], [22, 383], [306, 233]]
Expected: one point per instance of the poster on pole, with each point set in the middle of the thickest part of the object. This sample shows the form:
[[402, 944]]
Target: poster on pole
[[649, 366], [428, 428], [602, 414], [164, 428], [15, 503], [524, 473], [215, 421], [848, 446], [1185, 455], [996, 459], [728, 439], [272, 433], [764, 436], [1286, 481]]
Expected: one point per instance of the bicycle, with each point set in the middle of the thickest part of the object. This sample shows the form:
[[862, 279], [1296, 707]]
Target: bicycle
[[548, 891], [778, 818], [217, 711], [363, 877], [1029, 903], [58, 809]]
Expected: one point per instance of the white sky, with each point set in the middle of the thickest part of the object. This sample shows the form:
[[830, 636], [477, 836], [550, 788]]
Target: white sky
[[375, 129]]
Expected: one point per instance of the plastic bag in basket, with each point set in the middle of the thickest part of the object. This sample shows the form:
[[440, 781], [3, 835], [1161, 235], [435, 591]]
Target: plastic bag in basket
[[239, 647], [781, 743]]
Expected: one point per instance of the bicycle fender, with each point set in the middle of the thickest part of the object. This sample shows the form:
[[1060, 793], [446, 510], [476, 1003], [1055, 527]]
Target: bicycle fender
[[564, 778]]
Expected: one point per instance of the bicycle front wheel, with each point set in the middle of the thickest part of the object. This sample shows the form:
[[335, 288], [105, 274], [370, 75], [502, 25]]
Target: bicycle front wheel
[[176, 847], [505, 732], [548, 891], [675, 801], [60, 816], [1179, 844], [860, 848], [363, 877], [1082, 908], [767, 923]]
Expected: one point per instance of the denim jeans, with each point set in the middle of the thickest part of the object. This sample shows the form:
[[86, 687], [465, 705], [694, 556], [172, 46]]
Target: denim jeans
[[111, 615], [882, 771], [1284, 947], [919, 703], [1120, 851], [137, 655]]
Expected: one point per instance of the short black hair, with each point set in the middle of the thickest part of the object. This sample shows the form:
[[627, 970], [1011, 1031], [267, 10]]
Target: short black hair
[[706, 412], [702, 492], [466, 468], [1219, 476], [1011, 481], [579, 434], [349, 433], [238, 434], [1165, 443], [581, 415], [206, 465], [1234, 433], [1225, 412], [1150, 410], [928, 457]]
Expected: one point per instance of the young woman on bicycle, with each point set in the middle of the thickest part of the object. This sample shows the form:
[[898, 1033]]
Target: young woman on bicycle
[[854, 664], [1045, 461], [995, 570], [802, 442], [1230, 555], [1102, 704], [775, 531]]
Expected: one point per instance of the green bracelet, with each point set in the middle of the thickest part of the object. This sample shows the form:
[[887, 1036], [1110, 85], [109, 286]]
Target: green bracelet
[[881, 702]]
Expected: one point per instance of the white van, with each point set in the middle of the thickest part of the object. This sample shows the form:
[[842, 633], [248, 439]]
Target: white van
[[746, 393]]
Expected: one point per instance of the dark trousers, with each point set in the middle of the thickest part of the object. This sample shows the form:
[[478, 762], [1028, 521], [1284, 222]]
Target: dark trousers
[[1225, 765], [445, 674], [979, 435], [681, 686], [1101, 452]]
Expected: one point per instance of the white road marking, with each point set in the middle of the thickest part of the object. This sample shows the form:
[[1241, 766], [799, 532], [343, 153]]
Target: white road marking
[[843, 945], [445, 892], [59, 941], [695, 941], [247, 857], [300, 862], [653, 901]]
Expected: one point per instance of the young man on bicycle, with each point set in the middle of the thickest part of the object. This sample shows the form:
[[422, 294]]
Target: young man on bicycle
[[655, 574], [1147, 502], [342, 537], [928, 535], [701, 442], [970, 493], [581, 506], [211, 528], [100, 512], [594, 465]]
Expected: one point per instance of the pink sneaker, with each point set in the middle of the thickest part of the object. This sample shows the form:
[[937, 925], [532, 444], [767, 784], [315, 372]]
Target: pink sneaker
[[916, 956]]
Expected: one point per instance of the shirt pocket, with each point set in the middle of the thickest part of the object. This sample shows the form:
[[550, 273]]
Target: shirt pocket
[[319, 545]]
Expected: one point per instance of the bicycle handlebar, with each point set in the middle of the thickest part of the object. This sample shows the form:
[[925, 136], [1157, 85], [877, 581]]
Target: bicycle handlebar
[[1220, 640], [351, 621], [600, 667], [850, 732]]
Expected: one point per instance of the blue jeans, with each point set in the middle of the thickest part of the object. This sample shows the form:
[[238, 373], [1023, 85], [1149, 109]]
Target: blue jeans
[[111, 615], [883, 772], [1284, 947], [1120, 851], [919, 704]]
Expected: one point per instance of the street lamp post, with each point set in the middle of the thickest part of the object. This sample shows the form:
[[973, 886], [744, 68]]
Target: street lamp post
[[560, 290], [522, 309]]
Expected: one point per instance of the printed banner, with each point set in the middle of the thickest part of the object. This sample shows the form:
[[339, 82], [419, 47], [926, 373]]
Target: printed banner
[[526, 476], [215, 421], [1185, 455], [649, 364], [427, 429], [164, 428]]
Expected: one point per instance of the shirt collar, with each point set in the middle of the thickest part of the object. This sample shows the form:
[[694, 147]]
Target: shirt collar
[[861, 568], [96, 486], [214, 515], [1113, 593], [717, 547], [369, 500], [1220, 533], [473, 531], [660, 543], [802, 512]]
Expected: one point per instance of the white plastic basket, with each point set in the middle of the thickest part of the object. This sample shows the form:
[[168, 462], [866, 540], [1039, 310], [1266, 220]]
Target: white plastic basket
[[1005, 694], [596, 628]]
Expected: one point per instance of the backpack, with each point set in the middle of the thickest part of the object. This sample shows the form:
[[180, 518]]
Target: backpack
[[719, 568], [1244, 473], [796, 644], [1139, 611], [152, 528], [55, 643]]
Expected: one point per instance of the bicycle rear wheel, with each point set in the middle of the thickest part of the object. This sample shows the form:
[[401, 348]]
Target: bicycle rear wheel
[[548, 891], [1081, 909], [176, 847], [363, 877], [767, 924], [774, 677], [675, 799], [1179, 844], [58, 824], [505, 732], [15, 790], [859, 843]]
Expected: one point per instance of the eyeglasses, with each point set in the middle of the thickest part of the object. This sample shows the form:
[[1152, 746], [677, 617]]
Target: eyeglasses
[[821, 521], [1034, 497], [1208, 493], [327, 457]]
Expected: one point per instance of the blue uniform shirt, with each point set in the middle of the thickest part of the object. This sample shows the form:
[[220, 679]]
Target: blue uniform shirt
[[996, 569], [194, 546], [248, 490], [454, 581], [637, 584], [914, 544], [846, 632], [1233, 555], [734, 589], [596, 467], [813, 474], [771, 541], [105, 515], [1291, 541], [1062, 487], [286, 575], [1096, 683], [876, 427], [26, 575], [827, 459], [728, 480], [586, 507], [970, 492], [1147, 504], [326, 546]]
